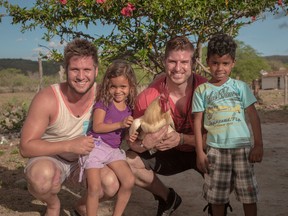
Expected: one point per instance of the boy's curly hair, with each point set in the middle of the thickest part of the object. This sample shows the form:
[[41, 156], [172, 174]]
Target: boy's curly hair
[[222, 44], [116, 69]]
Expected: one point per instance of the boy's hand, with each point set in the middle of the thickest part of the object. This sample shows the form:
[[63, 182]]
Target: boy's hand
[[256, 154], [202, 162]]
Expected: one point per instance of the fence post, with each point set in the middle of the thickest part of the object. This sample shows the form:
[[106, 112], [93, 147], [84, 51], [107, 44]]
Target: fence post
[[285, 89], [40, 74]]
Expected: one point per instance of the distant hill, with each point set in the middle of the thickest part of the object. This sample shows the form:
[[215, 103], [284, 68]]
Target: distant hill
[[29, 66], [279, 58], [51, 68]]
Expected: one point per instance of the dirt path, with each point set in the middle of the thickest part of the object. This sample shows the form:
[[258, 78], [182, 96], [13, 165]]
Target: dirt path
[[272, 176]]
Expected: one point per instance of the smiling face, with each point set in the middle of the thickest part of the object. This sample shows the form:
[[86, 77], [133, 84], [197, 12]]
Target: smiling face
[[81, 74], [119, 89], [220, 68], [178, 66]]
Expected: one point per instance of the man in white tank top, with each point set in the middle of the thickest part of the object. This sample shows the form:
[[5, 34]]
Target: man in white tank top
[[53, 135]]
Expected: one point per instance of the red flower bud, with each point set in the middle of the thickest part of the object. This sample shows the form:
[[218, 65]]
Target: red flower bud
[[63, 2], [100, 1], [128, 10], [280, 2]]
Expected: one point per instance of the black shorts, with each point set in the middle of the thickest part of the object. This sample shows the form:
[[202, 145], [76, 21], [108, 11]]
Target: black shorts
[[169, 162]]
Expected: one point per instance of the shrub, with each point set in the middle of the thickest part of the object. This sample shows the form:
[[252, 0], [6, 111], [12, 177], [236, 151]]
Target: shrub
[[13, 117]]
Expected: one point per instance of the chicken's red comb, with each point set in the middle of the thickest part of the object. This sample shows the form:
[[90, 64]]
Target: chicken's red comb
[[164, 98]]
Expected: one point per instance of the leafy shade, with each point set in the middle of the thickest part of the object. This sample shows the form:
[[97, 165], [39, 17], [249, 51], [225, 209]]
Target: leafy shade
[[139, 29], [248, 64]]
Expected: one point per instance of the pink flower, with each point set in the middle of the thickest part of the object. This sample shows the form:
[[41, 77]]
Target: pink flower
[[128, 10], [100, 1], [63, 2], [131, 6]]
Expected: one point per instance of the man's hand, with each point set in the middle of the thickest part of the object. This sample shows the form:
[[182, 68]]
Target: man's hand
[[82, 145], [151, 140], [169, 141]]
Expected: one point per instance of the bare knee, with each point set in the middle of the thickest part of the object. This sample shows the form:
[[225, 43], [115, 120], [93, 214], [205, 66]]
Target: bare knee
[[135, 163], [133, 160], [110, 183], [43, 176]]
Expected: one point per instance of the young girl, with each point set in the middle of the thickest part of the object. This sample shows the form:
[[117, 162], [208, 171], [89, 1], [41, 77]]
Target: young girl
[[112, 115]]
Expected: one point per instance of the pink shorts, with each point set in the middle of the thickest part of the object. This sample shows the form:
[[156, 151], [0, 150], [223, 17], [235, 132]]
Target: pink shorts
[[101, 155]]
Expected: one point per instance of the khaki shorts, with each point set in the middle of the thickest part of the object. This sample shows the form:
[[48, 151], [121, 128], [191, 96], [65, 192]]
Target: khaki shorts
[[69, 170]]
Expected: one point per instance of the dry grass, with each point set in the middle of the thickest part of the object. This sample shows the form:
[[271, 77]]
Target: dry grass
[[16, 97]]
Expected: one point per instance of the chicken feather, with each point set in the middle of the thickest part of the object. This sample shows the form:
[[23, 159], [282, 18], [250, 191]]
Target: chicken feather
[[153, 120]]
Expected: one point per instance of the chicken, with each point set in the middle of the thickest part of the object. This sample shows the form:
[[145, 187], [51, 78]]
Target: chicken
[[156, 116]]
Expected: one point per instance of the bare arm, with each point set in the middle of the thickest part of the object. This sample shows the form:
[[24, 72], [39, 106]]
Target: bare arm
[[100, 127], [202, 160], [256, 153], [42, 110]]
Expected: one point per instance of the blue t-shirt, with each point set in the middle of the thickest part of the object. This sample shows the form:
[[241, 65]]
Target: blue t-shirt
[[224, 112], [113, 138]]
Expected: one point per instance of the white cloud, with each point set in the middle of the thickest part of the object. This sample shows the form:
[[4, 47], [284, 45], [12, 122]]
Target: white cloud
[[21, 39], [56, 44]]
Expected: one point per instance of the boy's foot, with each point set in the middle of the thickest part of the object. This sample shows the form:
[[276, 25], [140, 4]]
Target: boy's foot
[[173, 202], [209, 207]]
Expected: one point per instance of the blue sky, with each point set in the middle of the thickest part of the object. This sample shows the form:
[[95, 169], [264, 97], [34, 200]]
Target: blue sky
[[268, 37]]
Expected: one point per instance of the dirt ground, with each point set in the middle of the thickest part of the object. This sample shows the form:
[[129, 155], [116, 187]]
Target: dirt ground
[[272, 177]]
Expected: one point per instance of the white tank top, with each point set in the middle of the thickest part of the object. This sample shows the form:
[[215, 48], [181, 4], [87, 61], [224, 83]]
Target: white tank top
[[67, 126]]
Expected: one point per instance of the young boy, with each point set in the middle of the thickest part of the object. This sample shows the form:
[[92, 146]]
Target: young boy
[[230, 155]]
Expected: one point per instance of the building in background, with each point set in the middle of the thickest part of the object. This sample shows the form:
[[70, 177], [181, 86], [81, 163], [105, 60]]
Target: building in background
[[273, 79]]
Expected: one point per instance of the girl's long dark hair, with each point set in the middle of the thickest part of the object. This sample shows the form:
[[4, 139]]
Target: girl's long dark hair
[[116, 69]]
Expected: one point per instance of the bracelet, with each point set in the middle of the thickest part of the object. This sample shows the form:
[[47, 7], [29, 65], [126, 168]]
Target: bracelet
[[181, 139]]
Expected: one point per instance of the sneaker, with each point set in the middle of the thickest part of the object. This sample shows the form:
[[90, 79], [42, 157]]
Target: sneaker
[[173, 202], [209, 207]]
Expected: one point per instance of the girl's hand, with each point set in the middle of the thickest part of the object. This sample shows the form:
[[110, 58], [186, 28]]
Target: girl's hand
[[127, 122], [132, 138]]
